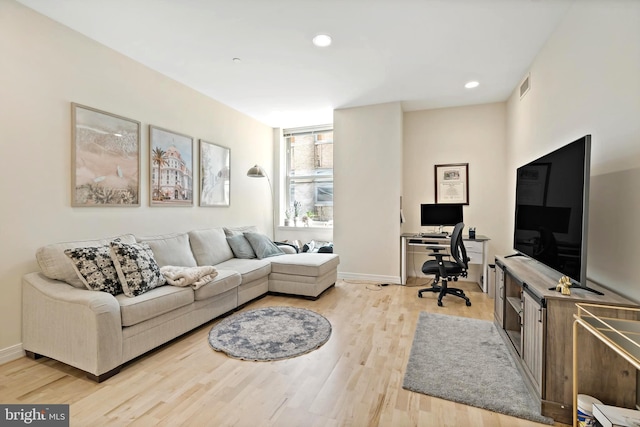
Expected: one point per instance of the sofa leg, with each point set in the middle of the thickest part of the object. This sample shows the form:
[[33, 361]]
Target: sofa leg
[[321, 293], [32, 355], [105, 376]]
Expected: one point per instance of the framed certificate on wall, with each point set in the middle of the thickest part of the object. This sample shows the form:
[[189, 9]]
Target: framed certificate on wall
[[452, 183]]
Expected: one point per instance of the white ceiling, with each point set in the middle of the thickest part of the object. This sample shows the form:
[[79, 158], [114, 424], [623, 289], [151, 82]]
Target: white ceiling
[[420, 52]]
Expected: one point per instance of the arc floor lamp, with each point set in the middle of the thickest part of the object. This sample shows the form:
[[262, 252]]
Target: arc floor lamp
[[258, 172]]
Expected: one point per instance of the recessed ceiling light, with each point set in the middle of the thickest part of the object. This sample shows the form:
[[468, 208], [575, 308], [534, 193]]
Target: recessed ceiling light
[[237, 60], [471, 85], [322, 40]]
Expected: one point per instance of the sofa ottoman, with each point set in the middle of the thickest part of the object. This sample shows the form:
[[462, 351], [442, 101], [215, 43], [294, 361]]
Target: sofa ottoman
[[307, 274]]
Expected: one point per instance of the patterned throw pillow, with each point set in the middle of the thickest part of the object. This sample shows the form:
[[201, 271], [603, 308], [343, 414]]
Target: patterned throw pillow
[[136, 267], [95, 268]]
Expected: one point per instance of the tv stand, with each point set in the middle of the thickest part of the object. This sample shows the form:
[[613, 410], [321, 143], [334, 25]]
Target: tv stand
[[536, 323]]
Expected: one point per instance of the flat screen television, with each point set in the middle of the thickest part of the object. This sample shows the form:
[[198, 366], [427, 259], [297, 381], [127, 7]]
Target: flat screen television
[[440, 215], [552, 206]]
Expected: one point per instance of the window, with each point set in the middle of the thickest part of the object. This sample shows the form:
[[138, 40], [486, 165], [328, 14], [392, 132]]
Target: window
[[309, 175]]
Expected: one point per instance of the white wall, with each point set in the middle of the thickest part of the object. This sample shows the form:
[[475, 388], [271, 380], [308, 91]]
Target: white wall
[[367, 188], [585, 81], [45, 67], [474, 135]]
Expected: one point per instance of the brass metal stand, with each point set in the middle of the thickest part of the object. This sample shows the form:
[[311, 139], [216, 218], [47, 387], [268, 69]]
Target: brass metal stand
[[621, 334]]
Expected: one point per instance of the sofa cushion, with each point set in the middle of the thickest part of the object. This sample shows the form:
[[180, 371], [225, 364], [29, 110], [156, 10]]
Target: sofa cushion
[[153, 303], [56, 265], [305, 264], [233, 231], [95, 268], [250, 269], [171, 249], [224, 281], [262, 245], [210, 246], [137, 269], [241, 247]]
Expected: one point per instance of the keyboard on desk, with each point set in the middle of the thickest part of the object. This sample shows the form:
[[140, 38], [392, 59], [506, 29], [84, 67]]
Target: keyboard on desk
[[434, 235]]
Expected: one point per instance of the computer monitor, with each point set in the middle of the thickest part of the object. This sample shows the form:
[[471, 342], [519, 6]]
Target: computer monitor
[[440, 215]]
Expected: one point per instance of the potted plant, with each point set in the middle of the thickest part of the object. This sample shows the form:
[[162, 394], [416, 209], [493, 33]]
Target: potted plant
[[308, 217], [287, 217]]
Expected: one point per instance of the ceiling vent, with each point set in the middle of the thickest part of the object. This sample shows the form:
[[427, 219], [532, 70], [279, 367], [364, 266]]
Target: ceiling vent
[[525, 86]]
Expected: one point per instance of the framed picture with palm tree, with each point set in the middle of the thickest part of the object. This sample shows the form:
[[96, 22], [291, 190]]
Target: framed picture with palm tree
[[170, 167], [215, 171], [105, 161]]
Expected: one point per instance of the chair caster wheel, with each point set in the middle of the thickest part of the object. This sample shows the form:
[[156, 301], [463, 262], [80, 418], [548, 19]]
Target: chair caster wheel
[[419, 295], [439, 303], [468, 303]]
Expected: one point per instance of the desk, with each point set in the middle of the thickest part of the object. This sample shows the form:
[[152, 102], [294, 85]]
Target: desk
[[476, 251]]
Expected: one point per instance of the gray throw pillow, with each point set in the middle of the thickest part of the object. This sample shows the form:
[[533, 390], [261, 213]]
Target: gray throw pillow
[[262, 245], [241, 247], [232, 231]]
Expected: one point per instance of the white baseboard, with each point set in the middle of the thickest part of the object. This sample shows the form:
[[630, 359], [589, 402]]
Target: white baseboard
[[369, 277], [11, 353]]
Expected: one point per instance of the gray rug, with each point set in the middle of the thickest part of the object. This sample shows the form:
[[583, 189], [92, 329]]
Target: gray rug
[[271, 333], [466, 361]]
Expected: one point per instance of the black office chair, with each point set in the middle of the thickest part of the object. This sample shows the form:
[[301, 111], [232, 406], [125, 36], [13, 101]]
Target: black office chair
[[447, 270]]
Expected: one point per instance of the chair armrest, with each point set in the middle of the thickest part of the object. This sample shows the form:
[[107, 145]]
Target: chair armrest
[[79, 327]]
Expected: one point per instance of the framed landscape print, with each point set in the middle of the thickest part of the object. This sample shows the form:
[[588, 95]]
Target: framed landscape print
[[170, 167], [214, 174], [452, 183], [105, 162]]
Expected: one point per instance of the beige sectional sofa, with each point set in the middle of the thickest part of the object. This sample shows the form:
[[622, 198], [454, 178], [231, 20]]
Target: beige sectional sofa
[[97, 332]]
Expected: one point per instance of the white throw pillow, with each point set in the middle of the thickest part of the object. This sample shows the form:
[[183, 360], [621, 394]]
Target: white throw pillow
[[210, 246], [171, 249]]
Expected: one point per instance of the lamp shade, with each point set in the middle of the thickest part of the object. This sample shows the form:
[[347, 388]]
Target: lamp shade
[[256, 172]]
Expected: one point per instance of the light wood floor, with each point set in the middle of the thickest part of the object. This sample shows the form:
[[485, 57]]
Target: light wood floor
[[355, 379]]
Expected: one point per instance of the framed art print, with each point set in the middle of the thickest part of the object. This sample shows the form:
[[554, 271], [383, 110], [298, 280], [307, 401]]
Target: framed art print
[[105, 163], [452, 183], [214, 174], [170, 167]]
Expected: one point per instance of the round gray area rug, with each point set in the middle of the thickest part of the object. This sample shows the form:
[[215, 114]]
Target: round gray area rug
[[271, 333]]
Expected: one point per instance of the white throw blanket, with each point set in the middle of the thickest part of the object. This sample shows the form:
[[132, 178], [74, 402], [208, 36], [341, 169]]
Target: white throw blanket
[[189, 276]]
